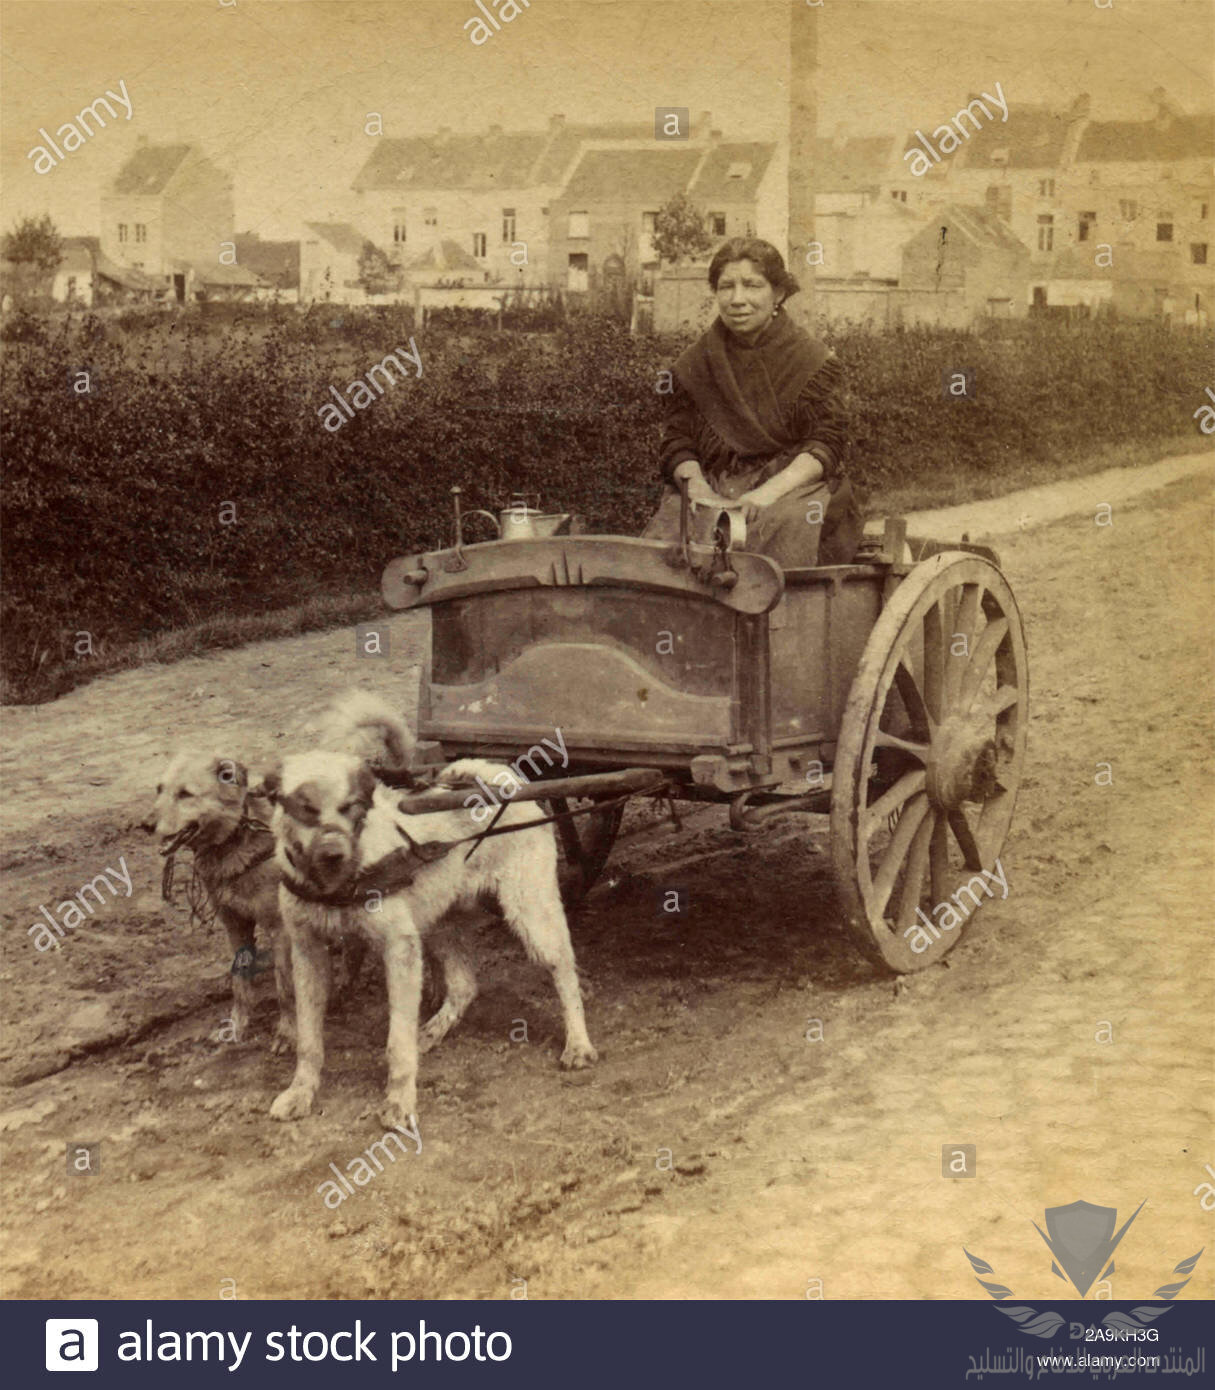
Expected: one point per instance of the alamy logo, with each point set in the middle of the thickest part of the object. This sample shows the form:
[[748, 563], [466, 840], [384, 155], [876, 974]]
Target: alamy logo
[[71, 1344]]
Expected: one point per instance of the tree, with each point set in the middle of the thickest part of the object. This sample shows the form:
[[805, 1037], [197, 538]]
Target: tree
[[679, 230], [377, 275], [35, 244]]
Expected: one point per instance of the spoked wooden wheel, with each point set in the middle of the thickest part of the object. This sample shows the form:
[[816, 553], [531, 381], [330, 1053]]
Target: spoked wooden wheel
[[583, 845], [929, 760]]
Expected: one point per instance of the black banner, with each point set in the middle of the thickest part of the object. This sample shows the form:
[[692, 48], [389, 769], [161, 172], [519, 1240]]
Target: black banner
[[610, 1344]]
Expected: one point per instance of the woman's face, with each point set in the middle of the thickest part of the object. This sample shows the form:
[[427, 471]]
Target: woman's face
[[745, 299]]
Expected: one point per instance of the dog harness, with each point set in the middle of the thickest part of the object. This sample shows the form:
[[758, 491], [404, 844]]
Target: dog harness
[[395, 871], [203, 908]]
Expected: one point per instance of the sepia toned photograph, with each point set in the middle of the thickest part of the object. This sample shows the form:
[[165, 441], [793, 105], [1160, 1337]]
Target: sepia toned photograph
[[607, 656]]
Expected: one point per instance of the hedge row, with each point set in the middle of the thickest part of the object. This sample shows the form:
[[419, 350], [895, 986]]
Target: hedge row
[[114, 502]]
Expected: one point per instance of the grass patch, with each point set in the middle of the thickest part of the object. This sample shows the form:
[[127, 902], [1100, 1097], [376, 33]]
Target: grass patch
[[1013, 474], [321, 613]]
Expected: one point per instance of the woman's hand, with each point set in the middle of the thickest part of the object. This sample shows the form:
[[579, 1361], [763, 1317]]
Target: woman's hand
[[752, 503], [699, 489], [805, 468]]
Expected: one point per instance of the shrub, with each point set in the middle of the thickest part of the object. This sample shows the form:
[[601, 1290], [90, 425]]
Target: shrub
[[111, 503]]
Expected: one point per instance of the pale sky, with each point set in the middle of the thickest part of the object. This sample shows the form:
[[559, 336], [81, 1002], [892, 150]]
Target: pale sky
[[278, 91]]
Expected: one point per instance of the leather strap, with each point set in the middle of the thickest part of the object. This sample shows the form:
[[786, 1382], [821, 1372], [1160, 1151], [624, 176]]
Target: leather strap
[[396, 870]]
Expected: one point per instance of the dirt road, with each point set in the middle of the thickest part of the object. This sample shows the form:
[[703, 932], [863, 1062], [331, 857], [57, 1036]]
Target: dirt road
[[769, 1113]]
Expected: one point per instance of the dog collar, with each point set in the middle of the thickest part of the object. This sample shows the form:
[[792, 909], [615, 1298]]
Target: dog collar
[[395, 871]]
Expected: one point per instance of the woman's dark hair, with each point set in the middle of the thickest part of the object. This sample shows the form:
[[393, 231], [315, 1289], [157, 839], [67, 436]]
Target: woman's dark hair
[[763, 254]]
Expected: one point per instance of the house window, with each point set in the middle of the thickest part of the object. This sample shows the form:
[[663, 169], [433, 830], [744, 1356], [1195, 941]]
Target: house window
[[899, 195], [647, 223], [508, 224], [141, 232], [717, 223], [430, 216], [479, 245], [1046, 188], [580, 225], [399, 234], [738, 170], [1087, 221], [1164, 230], [122, 231], [577, 280], [1128, 209], [1198, 253], [1046, 233], [1202, 212]]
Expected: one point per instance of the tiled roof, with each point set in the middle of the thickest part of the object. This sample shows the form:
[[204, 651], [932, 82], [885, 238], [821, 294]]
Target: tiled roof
[[978, 225], [565, 143], [714, 184], [934, 169], [1032, 138], [448, 255], [497, 159], [453, 161], [230, 276], [340, 235], [1182, 137], [634, 175], [983, 227], [74, 258], [149, 169], [849, 166], [275, 261], [127, 275]]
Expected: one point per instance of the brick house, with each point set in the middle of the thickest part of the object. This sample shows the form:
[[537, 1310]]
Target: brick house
[[166, 211], [1016, 170], [1138, 201], [481, 191], [965, 265], [329, 263], [602, 221]]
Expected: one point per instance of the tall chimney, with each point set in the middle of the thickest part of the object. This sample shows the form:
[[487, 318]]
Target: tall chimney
[[803, 121]]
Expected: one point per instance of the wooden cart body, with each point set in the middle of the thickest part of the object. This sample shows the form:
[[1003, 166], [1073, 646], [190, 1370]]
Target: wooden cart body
[[638, 663], [890, 692]]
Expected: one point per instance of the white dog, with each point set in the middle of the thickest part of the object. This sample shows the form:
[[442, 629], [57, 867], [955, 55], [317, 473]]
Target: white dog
[[353, 863]]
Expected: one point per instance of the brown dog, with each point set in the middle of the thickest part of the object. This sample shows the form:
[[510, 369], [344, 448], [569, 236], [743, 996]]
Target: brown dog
[[204, 804]]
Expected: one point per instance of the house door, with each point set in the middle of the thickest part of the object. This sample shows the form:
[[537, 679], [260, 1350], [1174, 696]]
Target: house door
[[1039, 303], [577, 282], [179, 288]]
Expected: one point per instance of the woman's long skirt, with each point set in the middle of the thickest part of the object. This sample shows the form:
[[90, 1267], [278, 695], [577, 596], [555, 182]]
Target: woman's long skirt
[[809, 526]]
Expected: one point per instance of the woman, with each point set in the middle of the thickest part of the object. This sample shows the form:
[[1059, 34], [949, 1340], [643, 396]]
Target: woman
[[755, 418]]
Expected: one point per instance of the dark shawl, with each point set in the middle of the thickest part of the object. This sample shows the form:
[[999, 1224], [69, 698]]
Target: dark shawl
[[745, 390]]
